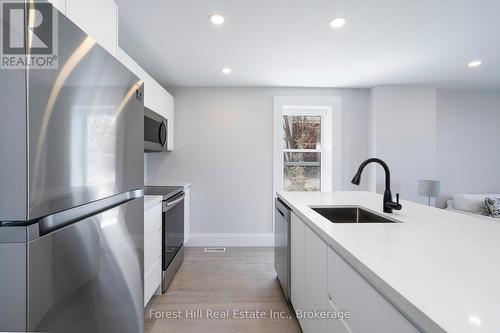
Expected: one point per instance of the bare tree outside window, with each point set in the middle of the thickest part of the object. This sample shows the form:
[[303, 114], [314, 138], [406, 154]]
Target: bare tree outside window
[[301, 153]]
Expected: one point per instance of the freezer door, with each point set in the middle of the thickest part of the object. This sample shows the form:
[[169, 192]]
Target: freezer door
[[86, 125], [88, 276]]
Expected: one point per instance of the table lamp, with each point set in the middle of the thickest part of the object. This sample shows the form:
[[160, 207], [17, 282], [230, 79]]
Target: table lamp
[[429, 188]]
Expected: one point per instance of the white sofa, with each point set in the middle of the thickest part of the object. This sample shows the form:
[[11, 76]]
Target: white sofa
[[472, 204]]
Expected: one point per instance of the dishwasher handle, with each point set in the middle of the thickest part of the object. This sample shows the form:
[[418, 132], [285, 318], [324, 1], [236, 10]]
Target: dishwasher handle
[[283, 210]]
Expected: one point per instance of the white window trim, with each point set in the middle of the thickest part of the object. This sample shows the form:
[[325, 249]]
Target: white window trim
[[331, 108]]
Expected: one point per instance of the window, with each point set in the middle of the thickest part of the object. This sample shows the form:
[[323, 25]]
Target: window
[[301, 152], [306, 144]]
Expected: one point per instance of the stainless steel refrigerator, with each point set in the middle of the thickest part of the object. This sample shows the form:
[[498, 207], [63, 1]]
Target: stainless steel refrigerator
[[71, 192]]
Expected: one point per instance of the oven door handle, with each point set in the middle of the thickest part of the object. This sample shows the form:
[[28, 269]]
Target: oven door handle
[[171, 204]]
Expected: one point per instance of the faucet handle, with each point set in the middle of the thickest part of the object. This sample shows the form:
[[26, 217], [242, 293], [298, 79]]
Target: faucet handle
[[397, 205]]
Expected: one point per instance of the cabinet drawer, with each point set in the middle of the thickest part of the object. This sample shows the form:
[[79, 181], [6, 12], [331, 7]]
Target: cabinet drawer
[[152, 222], [315, 292], [152, 251], [152, 281], [335, 325], [297, 282], [370, 312]]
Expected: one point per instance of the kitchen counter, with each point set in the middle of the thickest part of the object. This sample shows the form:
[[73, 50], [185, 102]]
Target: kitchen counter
[[151, 201], [181, 183], [166, 192], [439, 268]]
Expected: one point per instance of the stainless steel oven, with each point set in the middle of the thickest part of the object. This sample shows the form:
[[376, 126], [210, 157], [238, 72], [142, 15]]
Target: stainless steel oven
[[155, 132], [172, 229], [173, 237]]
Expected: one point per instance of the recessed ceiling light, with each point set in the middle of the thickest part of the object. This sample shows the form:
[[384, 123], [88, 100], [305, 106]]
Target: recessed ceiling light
[[226, 70], [475, 320], [337, 22], [475, 63], [216, 19]]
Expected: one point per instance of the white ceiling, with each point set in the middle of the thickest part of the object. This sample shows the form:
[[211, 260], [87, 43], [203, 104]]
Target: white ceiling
[[290, 43]]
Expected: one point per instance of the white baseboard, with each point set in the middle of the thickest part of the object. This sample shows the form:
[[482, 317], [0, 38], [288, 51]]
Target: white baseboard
[[223, 239]]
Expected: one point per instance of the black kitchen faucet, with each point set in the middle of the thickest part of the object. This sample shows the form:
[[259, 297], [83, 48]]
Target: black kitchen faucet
[[389, 205]]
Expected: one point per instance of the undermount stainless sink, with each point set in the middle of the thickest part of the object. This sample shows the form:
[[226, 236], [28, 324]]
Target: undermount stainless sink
[[350, 215]]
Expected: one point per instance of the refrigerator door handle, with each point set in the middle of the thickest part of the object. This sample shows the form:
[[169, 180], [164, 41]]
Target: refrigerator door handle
[[59, 220]]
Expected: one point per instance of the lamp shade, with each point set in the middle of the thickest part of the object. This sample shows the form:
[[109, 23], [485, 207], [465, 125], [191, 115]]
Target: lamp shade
[[429, 188]]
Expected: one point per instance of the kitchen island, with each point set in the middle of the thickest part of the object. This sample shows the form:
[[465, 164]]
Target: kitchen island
[[438, 269]]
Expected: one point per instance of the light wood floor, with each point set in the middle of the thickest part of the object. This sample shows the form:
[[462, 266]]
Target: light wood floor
[[240, 279]]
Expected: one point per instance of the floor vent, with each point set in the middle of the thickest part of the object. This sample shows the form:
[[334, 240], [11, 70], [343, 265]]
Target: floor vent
[[215, 250]]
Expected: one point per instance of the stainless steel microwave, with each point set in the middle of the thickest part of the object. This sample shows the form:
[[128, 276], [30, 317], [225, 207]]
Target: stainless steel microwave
[[155, 132]]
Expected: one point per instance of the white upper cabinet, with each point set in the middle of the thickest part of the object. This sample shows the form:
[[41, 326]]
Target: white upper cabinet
[[160, 101], [98, 18], [170, 112], [129, 62], [59, 4], [156, 97]]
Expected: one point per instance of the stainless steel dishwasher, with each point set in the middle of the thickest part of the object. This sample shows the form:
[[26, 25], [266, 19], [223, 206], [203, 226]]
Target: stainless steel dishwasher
[[282, 246]]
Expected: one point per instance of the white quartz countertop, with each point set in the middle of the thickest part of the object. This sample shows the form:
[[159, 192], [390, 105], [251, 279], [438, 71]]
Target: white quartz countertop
[[439, 268]]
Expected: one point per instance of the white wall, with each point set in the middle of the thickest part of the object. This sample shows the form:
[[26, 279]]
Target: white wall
[[429, 133], [405, 136], [224, 147], [468, 135]]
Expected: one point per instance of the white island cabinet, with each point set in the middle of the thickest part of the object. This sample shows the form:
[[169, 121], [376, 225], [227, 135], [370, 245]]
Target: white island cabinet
[[428, 270], [347, 290], [322, 282], [308, 275], [297, 263], [152, 245]]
